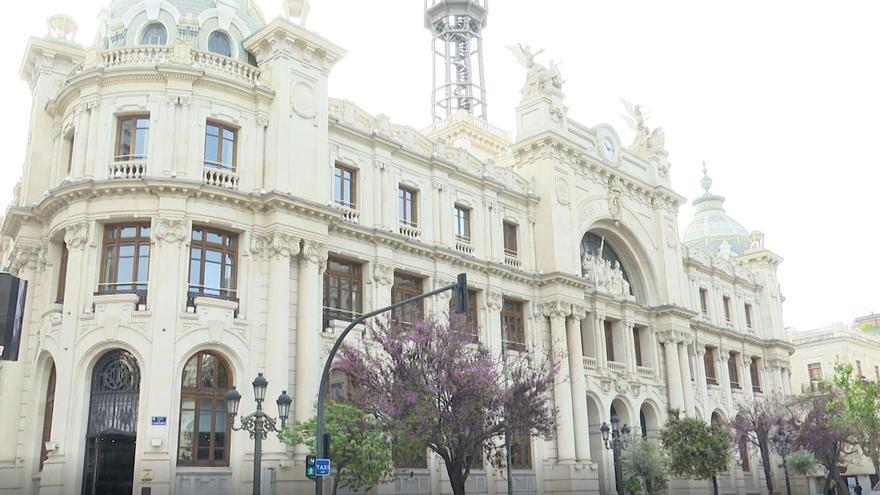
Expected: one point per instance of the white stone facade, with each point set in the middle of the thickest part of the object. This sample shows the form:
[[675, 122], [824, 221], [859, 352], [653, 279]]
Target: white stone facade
[[531, 201]]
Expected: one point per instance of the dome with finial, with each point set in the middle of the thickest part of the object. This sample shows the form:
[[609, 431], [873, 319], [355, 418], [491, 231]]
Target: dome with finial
[[217, 26], [712, 231]]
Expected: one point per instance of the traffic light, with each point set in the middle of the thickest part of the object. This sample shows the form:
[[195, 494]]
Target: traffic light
[[461, 294], [310, 466]]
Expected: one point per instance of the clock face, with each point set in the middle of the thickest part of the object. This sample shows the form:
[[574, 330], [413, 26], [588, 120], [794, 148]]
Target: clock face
[[608, 148]]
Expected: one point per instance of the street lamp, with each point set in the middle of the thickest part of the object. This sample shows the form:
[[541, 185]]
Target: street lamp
[[619, 439], [783, 442], [258, 424]]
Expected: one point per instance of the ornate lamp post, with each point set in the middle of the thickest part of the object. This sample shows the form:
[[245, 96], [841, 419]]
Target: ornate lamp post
[[258, 423], [783, 442], [620, 438]]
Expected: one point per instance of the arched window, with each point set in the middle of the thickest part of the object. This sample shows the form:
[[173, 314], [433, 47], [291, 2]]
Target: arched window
[[47, 416], [204, 430], [219, 43], [598, 247], [155, 34]]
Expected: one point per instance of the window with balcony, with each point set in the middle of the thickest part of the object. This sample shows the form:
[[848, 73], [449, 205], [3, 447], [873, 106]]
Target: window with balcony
[[406, 286], [462, 224], [407, 208], [814, 372], [511, 248], [220, 146], [709, 364], [756, 376], [513, 328], [704, 301], [609, 340], [637, 343], [748, 308], [520, 451], [726, 309], [125, 262], [345, 187], [343, 290], [62, 274], [219, 43], [132, 137], [733, 370], [471, 317], [212, 264], [154, 34]]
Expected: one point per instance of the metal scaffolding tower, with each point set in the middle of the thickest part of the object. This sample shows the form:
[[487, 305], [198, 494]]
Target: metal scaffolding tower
[[456, 27]]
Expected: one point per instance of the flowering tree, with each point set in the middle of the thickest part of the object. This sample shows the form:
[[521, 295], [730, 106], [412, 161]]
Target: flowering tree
[[430, 385], [859, 404], [695, 449], [823, 432], [755, 424]]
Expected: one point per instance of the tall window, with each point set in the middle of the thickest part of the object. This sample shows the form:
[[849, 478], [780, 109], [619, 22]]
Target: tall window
[[344, 186], [859, 368], [520, 451], [814, 371], [733, 369], [510, 245], [204, 429], [68, 142], [513, 329], [62, 274], [48, 411], [726, 309], [609, 340], [343, 290], [704, 301], [212, 263], [877, 373], [126, 259], [748, 308], [407, 210], [219, 43], [743, 445], [155, 34], [756, 377], [637, 343], [471, 316], [709, 363], [406, 286], [132, 137], [462, 224], [220, 146]]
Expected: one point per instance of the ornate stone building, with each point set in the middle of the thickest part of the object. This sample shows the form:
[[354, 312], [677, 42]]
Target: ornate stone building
[[195, 209]]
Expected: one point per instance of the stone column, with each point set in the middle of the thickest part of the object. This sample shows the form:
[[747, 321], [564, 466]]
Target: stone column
[[726, 391], [673, 371], [557, 311], [80, 142], [601, 353], [578, 384], [92, 156], [629, 344], [309, 347], [493, 337], [786, 380], [686, 384], [700, 367]]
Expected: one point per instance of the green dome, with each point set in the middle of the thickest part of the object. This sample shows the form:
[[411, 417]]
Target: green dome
[[712, 227]]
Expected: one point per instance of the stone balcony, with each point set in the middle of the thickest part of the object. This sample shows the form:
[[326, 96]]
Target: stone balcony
[[128, 169], [220, 177]]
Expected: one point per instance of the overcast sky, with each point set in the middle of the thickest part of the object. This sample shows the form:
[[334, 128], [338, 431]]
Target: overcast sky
[[779, 98]]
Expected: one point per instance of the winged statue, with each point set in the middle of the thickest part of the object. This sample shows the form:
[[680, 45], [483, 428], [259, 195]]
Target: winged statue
[[646, 141]]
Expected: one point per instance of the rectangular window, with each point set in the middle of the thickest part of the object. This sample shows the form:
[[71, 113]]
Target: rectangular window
[[220, 146], [744, 454], [69, 143], [609, 341], [520, 451], [709, 363], [345, 186], [213, 263], [513, 329], [814, 371], [756, 377], [727, 309], [406, 286], [733, 370], [125, 262], [877, 373], [343, 290], [132, 137], [462, 224], [48, 412], [704, 301], [62, 274], [638, 345], [471, 316], [510, 245], [407, 211], [748, 315], [859, 368]]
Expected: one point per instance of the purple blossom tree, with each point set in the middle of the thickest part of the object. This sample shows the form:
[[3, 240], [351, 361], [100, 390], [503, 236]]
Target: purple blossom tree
[[755, 423], [820, 430], [432, 386]]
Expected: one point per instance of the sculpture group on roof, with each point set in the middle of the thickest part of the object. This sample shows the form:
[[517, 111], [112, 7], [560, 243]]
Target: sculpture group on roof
[[539, 78], [647, 142]]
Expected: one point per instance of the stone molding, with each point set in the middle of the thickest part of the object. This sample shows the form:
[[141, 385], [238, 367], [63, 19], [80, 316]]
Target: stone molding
[[76, 235], [170, 230], [27, 256], [494, 300], [383, 273], [281, 245], [556, 309]]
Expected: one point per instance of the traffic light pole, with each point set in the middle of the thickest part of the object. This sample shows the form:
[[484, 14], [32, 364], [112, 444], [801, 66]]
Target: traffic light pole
[[322, 447]]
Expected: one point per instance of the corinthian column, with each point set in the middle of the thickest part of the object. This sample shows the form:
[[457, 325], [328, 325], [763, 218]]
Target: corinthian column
[[686, 385], [578, 384], [309, 350], [557, 311], [673, 370]]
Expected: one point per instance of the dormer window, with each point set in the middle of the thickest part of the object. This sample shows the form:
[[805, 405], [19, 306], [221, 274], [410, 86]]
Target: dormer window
[[219, 43], [155, 34]]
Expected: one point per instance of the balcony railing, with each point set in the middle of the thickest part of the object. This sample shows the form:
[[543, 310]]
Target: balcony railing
[[128, 169], [514, 346], [220, 177], [511, 259], [463, 245], [331, 314], [756, 389], [711, 380], [590, 363], [615, 366], [349, 211], [645, 372], [409, 229], [138, 288]]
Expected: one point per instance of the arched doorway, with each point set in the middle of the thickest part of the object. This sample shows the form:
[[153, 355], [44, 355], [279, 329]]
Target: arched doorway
[[649, 421], [112, 426]]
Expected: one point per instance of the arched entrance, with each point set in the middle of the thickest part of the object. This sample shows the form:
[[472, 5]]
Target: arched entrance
[[649, 421], [112, 426]]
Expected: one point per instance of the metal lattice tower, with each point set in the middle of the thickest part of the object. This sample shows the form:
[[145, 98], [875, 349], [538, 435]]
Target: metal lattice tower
[[456, 27]]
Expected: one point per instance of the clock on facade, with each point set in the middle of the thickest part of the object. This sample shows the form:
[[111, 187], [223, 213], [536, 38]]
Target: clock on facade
[[608, 148]]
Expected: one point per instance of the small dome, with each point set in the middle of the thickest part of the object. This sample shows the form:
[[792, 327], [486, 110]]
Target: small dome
[[712, 228]]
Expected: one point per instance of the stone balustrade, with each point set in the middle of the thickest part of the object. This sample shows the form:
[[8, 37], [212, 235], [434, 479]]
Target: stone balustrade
[[219, 177], [410, 230], [127, 170]]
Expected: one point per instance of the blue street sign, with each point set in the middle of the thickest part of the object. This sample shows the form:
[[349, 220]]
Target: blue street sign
[[158, 420], [322, 467]]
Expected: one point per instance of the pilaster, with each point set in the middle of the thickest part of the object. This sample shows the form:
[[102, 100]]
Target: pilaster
[[558, 311]]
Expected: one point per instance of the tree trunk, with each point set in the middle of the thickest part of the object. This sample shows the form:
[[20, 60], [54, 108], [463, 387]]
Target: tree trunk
[[765, 459], [335, 484], [714, 485], [456, 478]]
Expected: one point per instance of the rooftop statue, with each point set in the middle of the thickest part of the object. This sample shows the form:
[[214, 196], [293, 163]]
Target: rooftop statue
[[647, 142], [297, 9], [539, 79], [62, 26]]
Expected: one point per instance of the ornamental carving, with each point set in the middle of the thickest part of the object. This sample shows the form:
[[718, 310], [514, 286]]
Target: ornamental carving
[[303, 99], [556, 309], [563, 195], [383, 274], [493, 300], [615, 198], [170, 230], [27, 256], [282, 245], [314, 252], [76, 235], [258, 245]]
